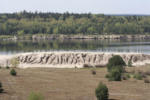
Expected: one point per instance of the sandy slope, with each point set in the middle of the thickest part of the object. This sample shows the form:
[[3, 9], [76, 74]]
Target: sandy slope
[[71, 59]]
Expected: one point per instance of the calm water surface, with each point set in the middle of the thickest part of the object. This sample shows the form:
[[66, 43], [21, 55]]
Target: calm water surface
[[13, 47]]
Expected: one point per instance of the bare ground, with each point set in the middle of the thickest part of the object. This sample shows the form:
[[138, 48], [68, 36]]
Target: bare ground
[[68, 84]]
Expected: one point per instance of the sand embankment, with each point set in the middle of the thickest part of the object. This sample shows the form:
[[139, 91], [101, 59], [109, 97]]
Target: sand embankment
[[71, 59]]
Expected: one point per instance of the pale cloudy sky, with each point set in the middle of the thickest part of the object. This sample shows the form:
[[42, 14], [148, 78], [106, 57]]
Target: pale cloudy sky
[[78, 6]]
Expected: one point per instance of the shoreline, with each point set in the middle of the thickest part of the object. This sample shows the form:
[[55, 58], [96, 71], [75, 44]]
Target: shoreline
[[78, 36]]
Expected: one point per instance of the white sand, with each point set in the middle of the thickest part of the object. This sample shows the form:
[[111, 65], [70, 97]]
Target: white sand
[[5, 59]]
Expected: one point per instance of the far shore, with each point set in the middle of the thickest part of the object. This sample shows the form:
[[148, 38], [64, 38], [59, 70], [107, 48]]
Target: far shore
[[78, 36]]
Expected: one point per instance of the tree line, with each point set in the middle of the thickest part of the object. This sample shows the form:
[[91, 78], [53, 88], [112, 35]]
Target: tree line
[[70, 23]]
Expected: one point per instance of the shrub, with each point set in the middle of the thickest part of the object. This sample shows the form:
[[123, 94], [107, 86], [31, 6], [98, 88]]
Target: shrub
[[115, 61], [93, 72], [7, 67], [1, 89], [35, 96], [126, 76], [107, 76], [146, 80], [87, 66], [13, 72], [102, 92], [130, 63], [138, 76], [114, 75]]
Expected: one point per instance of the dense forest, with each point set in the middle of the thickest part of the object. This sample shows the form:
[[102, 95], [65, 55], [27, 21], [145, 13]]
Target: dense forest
[[69, 23]]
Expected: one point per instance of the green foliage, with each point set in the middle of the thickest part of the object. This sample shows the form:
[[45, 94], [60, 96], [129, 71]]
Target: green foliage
[[130, 63], [115, 68], [102, 92], [13, 72], [35, 96], [1, 89], [114, 75], [93, 72], [126, 76], [7, 67], [20, 32], [0, 85], [23, 23], [116, 61], [87, 66], [138, 76]]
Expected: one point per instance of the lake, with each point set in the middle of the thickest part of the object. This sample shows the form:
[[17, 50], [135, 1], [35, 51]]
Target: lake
[[13, 47]]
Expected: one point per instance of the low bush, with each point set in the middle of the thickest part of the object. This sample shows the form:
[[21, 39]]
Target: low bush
[[107, 76], [93, 72], [116, 61], [126, 76], [1, 89], [87, 66], [130, 63], [35, 96], [7, 67], [138, 76], [114, 75], [13, 72], [146, 80], [102, 92]]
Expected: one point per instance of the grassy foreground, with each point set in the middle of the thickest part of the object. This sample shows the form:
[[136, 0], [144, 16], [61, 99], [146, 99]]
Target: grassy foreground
[[69, 84]]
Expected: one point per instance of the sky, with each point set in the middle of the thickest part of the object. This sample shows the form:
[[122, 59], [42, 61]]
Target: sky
[[77, 6]]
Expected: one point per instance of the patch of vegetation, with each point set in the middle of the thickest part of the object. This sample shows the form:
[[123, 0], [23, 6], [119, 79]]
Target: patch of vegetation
[[13, 72], [138, 76], [35, 96], [116, 61], [130, 63], [115, 68], [24, 23], [114, 75], [102, 92], [93, 72], [146, 80], [126, 76], [7, 67], [1, 89], [87, 66]]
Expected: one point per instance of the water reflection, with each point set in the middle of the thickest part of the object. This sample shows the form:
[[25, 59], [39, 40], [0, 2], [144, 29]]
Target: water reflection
[[11, 47]]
